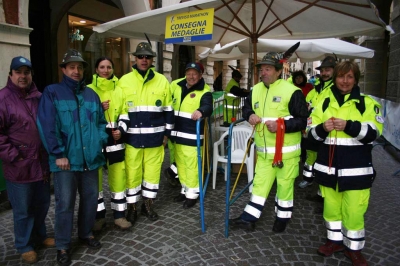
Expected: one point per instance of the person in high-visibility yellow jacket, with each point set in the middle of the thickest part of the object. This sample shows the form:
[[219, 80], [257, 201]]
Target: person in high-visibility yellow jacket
[[104, 83], [146, 125], [345, 123], [269, 100], [321, 86], [192, 100], [232, 96]]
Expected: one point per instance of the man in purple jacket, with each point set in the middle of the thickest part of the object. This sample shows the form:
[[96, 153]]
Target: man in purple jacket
[[25, 161]]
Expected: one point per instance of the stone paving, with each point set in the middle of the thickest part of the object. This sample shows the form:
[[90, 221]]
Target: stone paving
[[176, 238]]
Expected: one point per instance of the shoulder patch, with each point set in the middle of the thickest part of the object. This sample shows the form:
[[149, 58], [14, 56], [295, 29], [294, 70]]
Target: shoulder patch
[[379, 119]]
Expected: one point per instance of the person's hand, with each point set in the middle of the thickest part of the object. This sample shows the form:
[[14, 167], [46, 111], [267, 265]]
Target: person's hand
[[328, 125], [271, 126], [116, 134], [254, 119], [63, 164], [339, 124], [106, 105], [196, 115]]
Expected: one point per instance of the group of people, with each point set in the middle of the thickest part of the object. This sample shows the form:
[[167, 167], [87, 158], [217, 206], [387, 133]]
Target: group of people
[[72, 130], [340, 124]]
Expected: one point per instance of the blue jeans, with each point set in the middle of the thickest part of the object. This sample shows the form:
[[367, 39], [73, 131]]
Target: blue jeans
[[30, 203], [65, 185]]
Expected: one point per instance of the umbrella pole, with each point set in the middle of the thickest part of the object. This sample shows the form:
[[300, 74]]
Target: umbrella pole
[[255, 72], [254, 40]]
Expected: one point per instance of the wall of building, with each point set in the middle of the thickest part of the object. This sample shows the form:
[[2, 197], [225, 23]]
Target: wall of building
[[393, 78], [14, 34]]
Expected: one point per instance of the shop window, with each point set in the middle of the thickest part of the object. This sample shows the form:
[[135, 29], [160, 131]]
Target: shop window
[[93, 45]]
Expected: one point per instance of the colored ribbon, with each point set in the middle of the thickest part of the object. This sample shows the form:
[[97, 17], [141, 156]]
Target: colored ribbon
[[280, 134]]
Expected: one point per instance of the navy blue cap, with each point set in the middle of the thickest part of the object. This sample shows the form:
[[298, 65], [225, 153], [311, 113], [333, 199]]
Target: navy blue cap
[[194, 66], [20, 61]]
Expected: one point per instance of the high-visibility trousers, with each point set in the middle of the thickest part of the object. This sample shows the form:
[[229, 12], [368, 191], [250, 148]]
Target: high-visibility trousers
[[143, 168], [186, 162], [344, 215], [262, 184]]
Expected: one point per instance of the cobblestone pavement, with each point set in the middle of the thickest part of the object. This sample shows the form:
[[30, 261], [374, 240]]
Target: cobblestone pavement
[[176, 238]]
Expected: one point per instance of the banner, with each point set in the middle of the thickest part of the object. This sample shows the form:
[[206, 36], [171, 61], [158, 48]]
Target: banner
[[189, 26], [391, 130]]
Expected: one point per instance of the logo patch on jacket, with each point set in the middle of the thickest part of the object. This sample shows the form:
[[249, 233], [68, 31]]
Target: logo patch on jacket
[[192, 95], [379, 119], [256, 105], [158, 103], [276, 99]]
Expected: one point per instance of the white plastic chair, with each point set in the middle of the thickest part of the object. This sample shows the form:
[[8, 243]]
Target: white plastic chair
[[240, 137]]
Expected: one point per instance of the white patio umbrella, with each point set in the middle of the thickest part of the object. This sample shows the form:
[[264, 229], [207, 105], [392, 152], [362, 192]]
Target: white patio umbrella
[[309, 50], [254, 19]]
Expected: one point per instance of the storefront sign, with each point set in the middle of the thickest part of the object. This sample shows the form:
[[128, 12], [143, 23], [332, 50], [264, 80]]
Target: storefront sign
[[189, 26]]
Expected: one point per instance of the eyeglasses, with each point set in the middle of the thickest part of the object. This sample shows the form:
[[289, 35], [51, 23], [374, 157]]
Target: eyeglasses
[[144, 56]]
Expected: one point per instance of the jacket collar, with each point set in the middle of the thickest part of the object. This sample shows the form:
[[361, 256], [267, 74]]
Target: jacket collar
[[150, 72], [104, 84], [76, 86], [354, 94], [32, 91]]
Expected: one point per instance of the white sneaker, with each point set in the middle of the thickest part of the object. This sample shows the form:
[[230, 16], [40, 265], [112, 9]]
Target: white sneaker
[[304, 184]]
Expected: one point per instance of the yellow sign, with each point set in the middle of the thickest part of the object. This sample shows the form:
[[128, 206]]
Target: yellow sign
[[190, 26]]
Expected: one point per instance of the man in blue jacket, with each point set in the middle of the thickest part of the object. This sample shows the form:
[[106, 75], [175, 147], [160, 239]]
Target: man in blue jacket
[[72, 128]]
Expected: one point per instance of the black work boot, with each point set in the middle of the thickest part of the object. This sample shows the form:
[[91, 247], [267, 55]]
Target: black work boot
[[131, 215], [279, 226], [147, 209], [240, 223]]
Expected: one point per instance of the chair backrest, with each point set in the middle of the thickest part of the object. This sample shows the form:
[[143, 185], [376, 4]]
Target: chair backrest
[[240, 137]]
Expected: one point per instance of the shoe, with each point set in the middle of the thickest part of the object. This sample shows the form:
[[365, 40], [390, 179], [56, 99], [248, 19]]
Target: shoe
[[29, 257], [181, 197], [172, 180], [147, 210], [122, 223], [131, 215], [356, 257], [329, 248], [315, 198], [279, 226], [304, 184], [49, 242], [99, 224], [63, 257], [91, 242], [239, 223], [189, 203]]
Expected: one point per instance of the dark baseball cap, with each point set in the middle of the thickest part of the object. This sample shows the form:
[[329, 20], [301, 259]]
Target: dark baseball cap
[[20, 61], [194, 66]]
